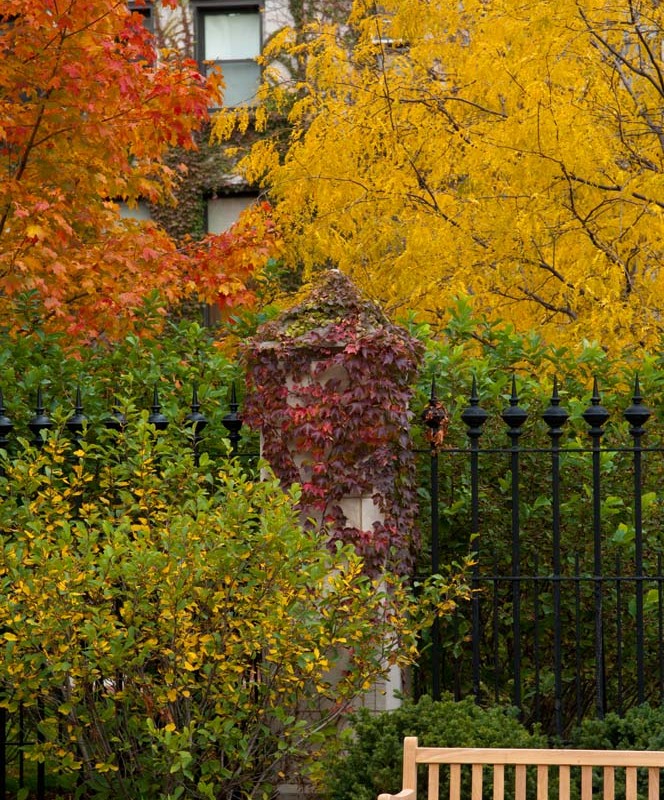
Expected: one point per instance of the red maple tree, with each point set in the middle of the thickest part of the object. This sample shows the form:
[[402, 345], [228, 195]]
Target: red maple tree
[[88, 110]]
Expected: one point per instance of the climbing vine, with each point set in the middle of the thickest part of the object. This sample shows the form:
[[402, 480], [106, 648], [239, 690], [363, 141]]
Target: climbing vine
[[329, 389]]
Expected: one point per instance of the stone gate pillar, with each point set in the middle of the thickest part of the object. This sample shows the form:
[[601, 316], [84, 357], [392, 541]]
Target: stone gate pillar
[[329, 390]]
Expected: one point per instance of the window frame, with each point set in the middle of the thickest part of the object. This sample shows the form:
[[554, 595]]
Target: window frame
[[203, 8]]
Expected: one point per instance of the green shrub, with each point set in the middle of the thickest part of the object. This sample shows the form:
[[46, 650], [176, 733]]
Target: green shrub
[[370, 757], [641, 728], [170, 628]]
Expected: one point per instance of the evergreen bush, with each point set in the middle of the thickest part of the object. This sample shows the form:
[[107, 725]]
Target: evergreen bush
[[370, 756]]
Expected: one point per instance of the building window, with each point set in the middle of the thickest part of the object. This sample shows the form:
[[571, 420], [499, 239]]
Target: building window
[[140, 211], [221, 213], [145, 10], [230, 37]]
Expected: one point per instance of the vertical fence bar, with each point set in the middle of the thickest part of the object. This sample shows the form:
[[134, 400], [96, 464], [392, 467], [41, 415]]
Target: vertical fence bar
[[196, 422], [514, 417], [21, 743], [436, 642], [577, 637], [497, 671], [596, 416], [555, 417], [40, 422], [637, 415], [77, 421], [155, 417], [619, 634], [474, 418], [233, 422], [536, 634], [433, 421]]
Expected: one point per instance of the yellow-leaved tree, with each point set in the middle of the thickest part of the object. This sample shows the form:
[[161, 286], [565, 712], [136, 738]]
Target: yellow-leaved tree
[[509, 151]]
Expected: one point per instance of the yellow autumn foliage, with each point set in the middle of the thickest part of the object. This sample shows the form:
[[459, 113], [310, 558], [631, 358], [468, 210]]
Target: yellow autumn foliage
[[507, 151]]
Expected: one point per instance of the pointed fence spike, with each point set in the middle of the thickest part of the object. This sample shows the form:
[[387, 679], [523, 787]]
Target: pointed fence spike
[[473, 416], [514, 415], [195, 418], [638, 413], [436, 419], [156, 418], [78, 419], [637, 389], [474, 399], [555, 416], [595, 415], [40, 421]]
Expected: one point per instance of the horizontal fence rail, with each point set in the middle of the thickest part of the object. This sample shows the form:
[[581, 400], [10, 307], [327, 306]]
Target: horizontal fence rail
[[566, 618]]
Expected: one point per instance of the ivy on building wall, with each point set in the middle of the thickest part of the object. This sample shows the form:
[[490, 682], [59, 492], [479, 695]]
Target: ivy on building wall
[[329, 389]]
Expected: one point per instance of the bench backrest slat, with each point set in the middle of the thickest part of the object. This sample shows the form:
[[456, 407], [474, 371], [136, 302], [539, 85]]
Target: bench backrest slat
[[586, 783], [499, 782], [434, 774], [542, 782], [653, 783], [564, 782], [476, 792], [455, 782]]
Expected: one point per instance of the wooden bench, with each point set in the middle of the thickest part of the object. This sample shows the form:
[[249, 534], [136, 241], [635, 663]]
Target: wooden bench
[[616, 768]]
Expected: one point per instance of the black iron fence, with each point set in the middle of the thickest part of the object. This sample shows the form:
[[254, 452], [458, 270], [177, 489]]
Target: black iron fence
[[566, 531], [565, 520]]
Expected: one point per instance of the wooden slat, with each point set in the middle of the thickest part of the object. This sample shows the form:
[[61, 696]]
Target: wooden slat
[[609, 783], [630, 783], [434, 781], [498, 755], [586, 783], [410, 750], [520, 782], [653, 783], [499, 782], [542, 782], [476, 786], [455, 782], [563, 780]]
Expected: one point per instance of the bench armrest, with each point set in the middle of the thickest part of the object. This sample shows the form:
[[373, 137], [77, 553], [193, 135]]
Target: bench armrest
[[404, 794]]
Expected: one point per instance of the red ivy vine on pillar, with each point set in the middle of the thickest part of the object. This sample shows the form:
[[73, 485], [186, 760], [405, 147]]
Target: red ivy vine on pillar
[[329, 389]]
